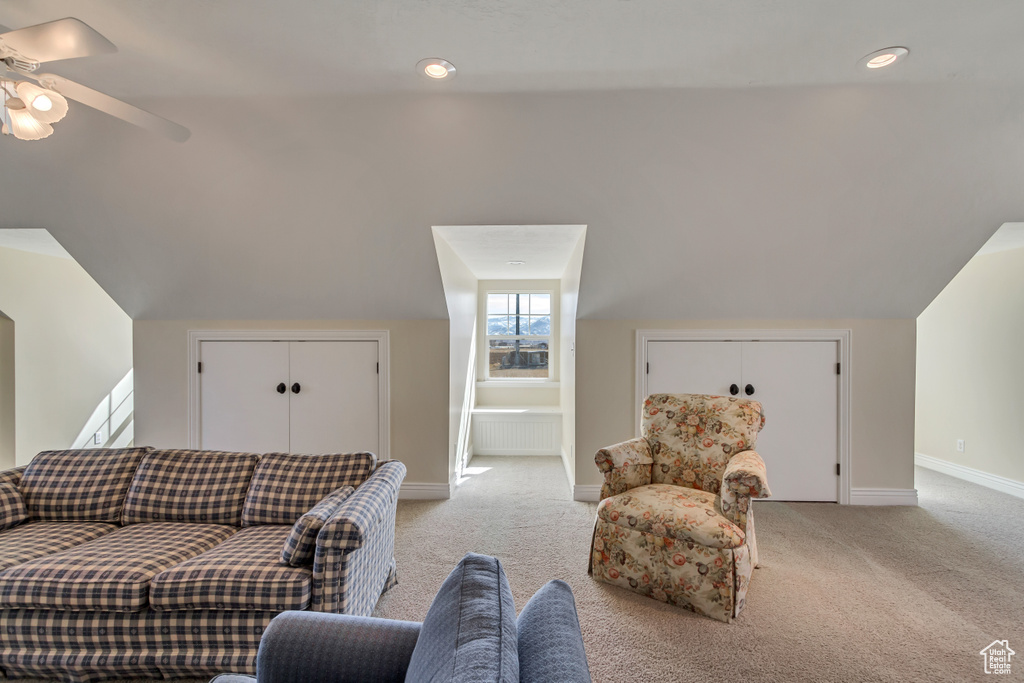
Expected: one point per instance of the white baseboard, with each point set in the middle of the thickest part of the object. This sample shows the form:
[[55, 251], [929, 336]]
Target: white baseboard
[[883, 496], [992, 481], [588, 493], [413, 490]]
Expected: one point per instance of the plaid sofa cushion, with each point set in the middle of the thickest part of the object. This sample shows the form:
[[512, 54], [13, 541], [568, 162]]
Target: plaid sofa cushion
[[189, 486], [286, 485], [12, 506], [79, 485], [12, 476], [93, 646], [111, 573], [37, 539], [242, 573], [300, 544]]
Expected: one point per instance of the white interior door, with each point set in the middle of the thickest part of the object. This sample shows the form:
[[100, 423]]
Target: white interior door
[[796, 382], [693, 367], [240, 407], [336, 409]]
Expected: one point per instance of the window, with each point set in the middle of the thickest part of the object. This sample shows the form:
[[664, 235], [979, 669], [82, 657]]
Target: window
[[518, 335]]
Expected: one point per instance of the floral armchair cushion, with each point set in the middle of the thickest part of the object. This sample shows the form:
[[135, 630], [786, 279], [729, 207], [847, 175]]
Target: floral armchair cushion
[[692, 437], [675, 512]]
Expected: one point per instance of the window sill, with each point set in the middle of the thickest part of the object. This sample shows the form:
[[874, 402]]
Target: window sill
[[517, 384]]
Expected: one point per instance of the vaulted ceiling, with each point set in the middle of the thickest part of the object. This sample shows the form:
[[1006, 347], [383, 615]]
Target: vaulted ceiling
[[730, 160]]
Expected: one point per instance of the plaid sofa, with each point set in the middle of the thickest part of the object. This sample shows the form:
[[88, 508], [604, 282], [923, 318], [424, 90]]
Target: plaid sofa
[[145, 563]]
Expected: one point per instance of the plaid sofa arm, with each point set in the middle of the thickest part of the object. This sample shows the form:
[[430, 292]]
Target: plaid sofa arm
[[299, 647], [625, 466], [744, 478], [355, 550], [12, 476]]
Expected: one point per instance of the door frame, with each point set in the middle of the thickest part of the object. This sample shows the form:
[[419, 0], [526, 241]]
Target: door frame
[[382, 337], [842, 337]]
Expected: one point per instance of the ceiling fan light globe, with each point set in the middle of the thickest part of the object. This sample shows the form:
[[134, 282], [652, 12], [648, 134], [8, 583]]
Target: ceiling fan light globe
[[25, 126], [48, 106]]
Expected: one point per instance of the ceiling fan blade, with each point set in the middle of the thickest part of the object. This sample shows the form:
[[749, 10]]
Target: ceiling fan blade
[[114, 107], [61, 39]]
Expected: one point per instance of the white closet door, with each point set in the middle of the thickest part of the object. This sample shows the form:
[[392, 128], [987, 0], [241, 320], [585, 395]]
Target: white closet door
[[796, 382], [241, 409], [692, 367], [336, 408]]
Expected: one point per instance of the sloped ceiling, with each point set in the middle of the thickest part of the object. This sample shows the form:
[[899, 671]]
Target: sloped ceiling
[[728, 159]]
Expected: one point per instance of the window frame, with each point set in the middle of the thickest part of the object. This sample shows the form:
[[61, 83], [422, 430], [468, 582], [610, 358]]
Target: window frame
[[549, 338]]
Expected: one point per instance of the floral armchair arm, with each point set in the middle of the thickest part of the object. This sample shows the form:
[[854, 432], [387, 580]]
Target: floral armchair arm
[[744, 478], [625, 466]]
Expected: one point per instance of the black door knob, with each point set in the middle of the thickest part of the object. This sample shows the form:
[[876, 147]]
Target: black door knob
[[733, 389], [282, 387], [296, 388], [749, 389]]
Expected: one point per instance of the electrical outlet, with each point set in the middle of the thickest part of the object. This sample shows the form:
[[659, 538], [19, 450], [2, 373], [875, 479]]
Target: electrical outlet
[[97, 438], [960, 446]]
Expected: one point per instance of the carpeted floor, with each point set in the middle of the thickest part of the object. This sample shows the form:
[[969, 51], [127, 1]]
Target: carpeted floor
[[842, 594]]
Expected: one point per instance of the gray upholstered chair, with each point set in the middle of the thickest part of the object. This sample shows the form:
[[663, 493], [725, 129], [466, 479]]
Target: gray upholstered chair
[[470, 633]]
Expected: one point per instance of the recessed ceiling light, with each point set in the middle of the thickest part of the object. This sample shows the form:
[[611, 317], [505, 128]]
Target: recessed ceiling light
[[517, 263], [886, 57], [435, 68]]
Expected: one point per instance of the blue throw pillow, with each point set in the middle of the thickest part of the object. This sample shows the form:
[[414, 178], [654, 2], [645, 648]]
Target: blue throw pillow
[[469, 633]]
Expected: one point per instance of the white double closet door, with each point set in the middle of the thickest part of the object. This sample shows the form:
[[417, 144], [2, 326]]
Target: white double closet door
[[289, 396], [797, 384]]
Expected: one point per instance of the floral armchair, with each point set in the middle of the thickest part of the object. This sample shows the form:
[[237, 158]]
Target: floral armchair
[[675, 523]]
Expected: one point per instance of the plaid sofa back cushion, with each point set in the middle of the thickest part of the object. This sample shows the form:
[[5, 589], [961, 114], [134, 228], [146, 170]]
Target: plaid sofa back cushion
[[79, 485], [206, 487], [286, 485], [12, 506]]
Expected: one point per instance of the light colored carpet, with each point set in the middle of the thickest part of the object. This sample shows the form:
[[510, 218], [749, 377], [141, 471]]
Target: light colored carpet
[[843, 593]]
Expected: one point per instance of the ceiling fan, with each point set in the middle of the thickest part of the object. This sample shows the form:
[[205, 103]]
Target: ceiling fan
[[33, 101]]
